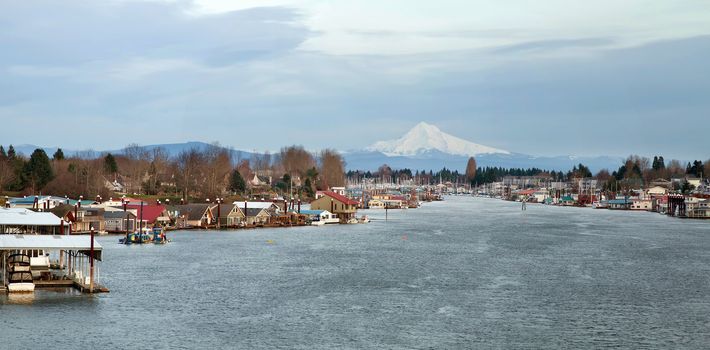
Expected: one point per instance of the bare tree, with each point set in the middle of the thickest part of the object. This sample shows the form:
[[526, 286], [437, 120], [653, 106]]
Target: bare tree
[[332, 169], [188, 164], [218, 165], [295, 160]]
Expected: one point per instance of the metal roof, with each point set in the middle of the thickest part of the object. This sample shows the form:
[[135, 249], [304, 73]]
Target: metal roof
[[49, 242], [312, 212], [255, 205], [25, 217]]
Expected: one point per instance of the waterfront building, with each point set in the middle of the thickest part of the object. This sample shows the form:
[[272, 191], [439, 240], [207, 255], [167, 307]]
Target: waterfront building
[[699, 209], [196, 215], [119, 221], [619, 204], [641, 204], [258, 216], [227, 215], [337, 204]]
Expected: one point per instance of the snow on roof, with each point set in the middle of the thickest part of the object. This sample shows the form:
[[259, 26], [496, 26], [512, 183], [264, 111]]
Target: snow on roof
[[25, 217]]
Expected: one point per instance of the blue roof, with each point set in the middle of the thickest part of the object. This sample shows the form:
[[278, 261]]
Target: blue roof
[[619, 201], [31, 199], [312, 212], [83, 202]]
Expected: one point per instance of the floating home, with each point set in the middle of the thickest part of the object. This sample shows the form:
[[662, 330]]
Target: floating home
[[37, 252]]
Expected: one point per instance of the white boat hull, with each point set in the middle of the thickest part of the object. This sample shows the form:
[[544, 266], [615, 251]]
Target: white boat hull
[[24, 287]]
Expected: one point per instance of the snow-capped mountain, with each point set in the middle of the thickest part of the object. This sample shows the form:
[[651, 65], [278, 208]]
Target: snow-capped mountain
[[425, 137], [427, 147]]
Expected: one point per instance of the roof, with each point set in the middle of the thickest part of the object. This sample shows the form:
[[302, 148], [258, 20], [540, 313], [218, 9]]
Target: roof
[[312, 212], [150, 212], [84, 202], [260, 205], [193, 211], [117, 214], [62, 210], [619, 201], [25, 217], [340, 198], [48, 242], [223, 208], [31, 199], [252, 212]]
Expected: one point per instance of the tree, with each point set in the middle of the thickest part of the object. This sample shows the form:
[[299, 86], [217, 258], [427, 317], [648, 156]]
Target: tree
[[38, 171], [58, 155], [308, 188], [7, 171], [110, 165], [295, 160], [11, 153], [332, 169], [3, 154], [471, 169], [152, 184], [236, 182]]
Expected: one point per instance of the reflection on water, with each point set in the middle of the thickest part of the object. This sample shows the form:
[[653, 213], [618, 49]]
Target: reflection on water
[[19, 298], [465, 273]]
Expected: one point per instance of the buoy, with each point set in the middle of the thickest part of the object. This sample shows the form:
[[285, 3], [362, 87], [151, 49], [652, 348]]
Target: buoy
[[270, 241]]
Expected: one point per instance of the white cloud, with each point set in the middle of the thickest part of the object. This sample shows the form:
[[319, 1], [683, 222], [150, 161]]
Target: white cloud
[[408, 27]]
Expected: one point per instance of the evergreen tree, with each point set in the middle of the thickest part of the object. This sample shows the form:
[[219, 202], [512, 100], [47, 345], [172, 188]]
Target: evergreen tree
[[110, 165], [3, 154], [236, 182], [11, 152], [37, 172], [308, 188], [58, 155]]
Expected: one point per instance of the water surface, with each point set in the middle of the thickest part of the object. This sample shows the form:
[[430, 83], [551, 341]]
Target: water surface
[[465, 273]]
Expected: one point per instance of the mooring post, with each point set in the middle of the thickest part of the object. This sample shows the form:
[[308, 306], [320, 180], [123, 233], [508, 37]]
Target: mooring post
[[91, 262]]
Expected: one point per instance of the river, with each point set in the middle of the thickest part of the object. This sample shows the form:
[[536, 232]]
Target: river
[[464, 273]]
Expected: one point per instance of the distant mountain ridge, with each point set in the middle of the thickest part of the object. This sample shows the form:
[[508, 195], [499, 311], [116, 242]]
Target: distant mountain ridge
[[424, 147], [172, 149]]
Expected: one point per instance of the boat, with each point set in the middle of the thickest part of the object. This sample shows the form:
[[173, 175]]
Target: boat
[[154, 235], [317, 222], [600, 205], [159, 236], [20, 275], [364, 219], [20, 282]]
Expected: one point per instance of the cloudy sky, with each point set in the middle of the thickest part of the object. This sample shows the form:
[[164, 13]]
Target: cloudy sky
[[539, 77]]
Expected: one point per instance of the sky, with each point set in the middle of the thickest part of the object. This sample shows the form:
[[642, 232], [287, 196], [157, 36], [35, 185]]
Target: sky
[[552, 77]]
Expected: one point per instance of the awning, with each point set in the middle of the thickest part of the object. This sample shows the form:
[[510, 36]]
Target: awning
[[50, 242]]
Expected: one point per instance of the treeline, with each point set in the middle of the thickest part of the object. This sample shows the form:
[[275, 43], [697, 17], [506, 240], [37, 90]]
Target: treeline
[[207, 172], [641, 171], [636, 171], [482, 175]]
